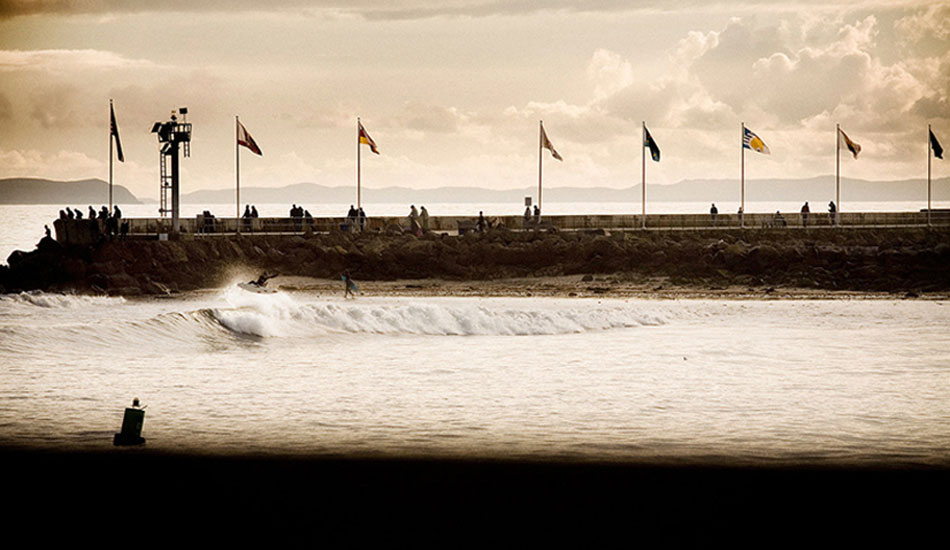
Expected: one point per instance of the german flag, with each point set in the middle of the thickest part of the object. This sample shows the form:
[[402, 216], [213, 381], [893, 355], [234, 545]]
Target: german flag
[[366, 140], [850, 145]]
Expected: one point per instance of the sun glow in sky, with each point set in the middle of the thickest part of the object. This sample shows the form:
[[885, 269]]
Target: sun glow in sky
[[452, 91]]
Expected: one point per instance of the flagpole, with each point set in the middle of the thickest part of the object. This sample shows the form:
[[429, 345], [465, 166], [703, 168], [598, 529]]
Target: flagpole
[[111, 111], [358, 190], [742, 177], [929, 155], [237, 175], [837, 174], [643, 181], [540, 144]]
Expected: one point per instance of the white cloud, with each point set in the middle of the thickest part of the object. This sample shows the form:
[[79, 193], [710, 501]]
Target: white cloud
[[63, 61]]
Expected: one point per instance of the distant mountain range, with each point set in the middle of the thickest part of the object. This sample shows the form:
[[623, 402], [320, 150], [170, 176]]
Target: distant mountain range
[[67, 193], [39, 191]]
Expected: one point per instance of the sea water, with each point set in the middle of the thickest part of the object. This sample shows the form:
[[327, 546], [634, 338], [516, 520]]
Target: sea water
[[227, 371]]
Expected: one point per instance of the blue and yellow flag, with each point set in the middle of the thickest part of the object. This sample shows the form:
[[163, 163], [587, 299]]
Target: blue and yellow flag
[[648, 142], [754, 142]]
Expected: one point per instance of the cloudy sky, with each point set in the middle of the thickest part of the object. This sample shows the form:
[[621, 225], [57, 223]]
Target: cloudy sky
[[452, 90]]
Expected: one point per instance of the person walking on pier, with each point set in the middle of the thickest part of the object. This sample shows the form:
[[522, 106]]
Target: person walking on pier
[[362, 218], [713, 211], [833, 213], [527, 216], [537, 215], [805, 211]]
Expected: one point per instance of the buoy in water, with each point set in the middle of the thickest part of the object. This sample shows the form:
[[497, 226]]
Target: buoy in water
[[131, 433]]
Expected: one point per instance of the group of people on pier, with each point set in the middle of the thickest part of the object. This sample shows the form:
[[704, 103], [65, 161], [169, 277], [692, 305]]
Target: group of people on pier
[[110, 223], [418, 221], [356, 218]]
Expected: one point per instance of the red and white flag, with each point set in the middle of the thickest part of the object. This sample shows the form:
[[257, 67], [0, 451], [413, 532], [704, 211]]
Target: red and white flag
[[546, 143], [245, 139]]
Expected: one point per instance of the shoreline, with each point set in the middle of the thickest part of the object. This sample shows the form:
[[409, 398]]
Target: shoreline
[[576, 286]]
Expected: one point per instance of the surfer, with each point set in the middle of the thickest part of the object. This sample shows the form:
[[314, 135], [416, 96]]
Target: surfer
[[349, 287], [262, 280]]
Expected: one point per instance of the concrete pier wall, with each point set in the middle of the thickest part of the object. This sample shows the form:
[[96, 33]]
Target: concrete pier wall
[[89, 231]]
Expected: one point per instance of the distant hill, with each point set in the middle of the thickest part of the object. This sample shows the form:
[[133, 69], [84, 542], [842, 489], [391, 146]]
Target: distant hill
[[81, 192], [821, 188], [712, 190]]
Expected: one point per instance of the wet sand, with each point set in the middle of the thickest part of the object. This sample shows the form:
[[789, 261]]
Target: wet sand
[[589, 286]]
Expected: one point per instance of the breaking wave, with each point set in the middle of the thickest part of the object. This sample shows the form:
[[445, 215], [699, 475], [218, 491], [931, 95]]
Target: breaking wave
[[29, 321], [52, 300], [425, 317]]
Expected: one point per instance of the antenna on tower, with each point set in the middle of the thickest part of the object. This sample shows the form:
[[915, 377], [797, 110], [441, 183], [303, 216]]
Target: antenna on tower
[[173, 135]]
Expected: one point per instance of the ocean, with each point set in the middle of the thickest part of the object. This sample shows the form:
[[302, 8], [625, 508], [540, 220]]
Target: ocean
[[747, 382]]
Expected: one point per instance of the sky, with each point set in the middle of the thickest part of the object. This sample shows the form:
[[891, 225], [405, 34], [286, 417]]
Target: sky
[[452, 90]]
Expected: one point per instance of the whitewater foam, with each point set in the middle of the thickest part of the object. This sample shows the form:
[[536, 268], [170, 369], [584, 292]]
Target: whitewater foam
[[53, 300], [287, 318]]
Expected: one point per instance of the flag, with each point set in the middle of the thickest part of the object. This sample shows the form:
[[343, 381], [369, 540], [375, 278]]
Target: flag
[[648, 142], [365, 139], [754, 142], [546, 143], [245, 139], [852, 146], [114, 131], [935, 146]]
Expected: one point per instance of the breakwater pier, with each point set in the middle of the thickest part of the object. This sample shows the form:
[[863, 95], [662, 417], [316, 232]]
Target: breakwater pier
[[886, 252]]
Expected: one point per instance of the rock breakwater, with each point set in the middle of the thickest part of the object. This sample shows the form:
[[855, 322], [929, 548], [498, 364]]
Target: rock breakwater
[[896, 260]]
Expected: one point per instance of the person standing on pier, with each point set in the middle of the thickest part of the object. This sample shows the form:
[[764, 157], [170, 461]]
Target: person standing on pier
[[713, 211], [833, 213], [805, 211], [413, 219], [424, 216]]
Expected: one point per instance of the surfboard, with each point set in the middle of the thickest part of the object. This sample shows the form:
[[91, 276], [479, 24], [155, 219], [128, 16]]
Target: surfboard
[[250, 287]]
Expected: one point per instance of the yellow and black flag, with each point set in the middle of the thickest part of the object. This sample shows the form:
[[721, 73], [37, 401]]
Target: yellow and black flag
[[114, 131], [648, 142], [365, 139]]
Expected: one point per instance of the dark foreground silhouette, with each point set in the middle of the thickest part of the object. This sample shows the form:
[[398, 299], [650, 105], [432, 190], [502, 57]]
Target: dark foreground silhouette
[[134, 496], [889, 260]]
